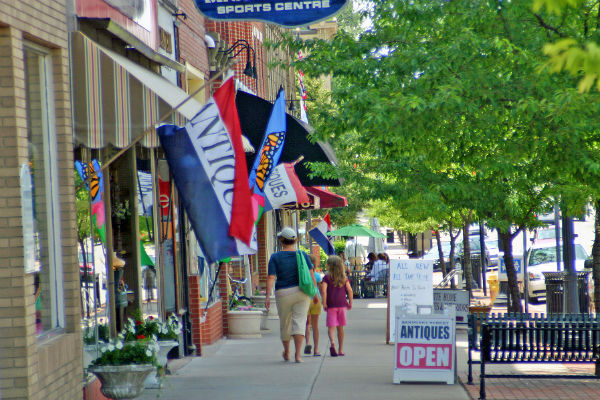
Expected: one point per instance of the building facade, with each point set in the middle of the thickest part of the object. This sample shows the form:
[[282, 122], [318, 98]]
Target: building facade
[[40, 340]]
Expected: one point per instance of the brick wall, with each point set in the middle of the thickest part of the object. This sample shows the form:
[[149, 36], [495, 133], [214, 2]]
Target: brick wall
[[31, 367], [263, 256], [253, 32], [223, 285], [192, 47], [211, 329]]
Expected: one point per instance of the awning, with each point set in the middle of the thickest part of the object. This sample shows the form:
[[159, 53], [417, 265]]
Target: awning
[[115, 99], [327, 199], [254, 113]]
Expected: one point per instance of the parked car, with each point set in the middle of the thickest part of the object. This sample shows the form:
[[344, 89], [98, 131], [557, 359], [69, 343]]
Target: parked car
[[87, 267], [542, 258], [475, 246], [545, 233], [434, 254]]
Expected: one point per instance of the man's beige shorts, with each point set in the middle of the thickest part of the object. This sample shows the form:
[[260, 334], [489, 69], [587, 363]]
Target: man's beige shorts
[[292, 307]]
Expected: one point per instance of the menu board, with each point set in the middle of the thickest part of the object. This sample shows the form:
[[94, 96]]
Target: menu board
[[411, 285]]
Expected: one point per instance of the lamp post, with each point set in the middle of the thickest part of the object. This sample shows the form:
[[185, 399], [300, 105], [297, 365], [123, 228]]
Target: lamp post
[[239, 46]]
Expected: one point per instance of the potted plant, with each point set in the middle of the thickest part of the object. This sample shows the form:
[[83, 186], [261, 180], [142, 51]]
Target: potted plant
[[259, 298], [92, 336], [122, 367], [165, 333], [244, 321]]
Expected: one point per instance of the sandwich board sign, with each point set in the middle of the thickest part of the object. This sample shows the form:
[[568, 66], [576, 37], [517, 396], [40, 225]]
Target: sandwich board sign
[[280, 12], [459, 299], [411, 284], [425, 347]]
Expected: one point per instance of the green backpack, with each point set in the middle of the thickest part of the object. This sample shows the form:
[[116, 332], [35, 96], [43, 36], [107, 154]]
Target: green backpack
[[305, 280]]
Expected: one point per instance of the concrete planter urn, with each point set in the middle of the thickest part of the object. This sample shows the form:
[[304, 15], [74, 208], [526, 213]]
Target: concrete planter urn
[[122, 381], [90, 353], [153, 380], [244, 324], [259, 301]]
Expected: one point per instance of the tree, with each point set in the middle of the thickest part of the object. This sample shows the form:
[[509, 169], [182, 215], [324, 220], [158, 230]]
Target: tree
[[448, 97]]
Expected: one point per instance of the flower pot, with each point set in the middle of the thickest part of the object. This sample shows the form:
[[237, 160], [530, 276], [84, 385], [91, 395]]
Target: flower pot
[[259, 301], [244, 324], [122, 381], [90, 353], [153, 380], [479, 309]]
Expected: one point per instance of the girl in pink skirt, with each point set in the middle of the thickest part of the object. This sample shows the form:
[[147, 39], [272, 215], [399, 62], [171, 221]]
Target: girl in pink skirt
[[336, 293]]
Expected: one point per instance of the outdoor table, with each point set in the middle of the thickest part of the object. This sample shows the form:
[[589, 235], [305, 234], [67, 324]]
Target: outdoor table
[[356, 280]]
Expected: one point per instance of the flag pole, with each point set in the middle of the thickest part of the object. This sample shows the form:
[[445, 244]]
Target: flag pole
[[150, 129], [162, 119]]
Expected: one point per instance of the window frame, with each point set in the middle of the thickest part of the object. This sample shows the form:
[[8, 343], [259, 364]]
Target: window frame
[[52, 183]]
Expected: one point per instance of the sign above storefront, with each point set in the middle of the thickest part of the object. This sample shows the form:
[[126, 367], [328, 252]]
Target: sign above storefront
[[285, 13]]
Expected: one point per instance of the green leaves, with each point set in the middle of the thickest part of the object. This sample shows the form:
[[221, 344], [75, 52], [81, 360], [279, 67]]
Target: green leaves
[[445, 107]]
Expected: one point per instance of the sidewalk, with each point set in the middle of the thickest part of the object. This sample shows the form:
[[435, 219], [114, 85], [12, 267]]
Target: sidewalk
[[530, 388], [249, 369]]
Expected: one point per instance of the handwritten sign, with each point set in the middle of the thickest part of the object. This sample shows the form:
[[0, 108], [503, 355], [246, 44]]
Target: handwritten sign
[[443, 298], [425, 347], [411, 285]]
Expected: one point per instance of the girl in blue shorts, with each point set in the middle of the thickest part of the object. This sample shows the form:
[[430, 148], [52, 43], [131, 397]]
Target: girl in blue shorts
[[336, 293]]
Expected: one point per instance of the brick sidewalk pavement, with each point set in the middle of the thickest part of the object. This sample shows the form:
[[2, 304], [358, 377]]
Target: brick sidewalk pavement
[[531, 388]]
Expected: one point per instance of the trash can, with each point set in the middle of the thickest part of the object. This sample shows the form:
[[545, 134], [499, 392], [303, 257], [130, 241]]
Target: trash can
[[555, 291]]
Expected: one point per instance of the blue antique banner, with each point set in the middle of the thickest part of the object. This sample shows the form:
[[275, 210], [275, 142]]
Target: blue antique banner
[[286, 13]]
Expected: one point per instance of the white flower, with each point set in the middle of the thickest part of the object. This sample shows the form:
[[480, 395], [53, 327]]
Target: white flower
[[119, 345], [111, 347], [149, 352], [103, 349]]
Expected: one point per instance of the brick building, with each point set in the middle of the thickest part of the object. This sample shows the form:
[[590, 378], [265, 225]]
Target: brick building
[[40, 342]]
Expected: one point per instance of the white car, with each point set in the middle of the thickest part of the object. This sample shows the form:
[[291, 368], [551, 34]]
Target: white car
[[542, 258]]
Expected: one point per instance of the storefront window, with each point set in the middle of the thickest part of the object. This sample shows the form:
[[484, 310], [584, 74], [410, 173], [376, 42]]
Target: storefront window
[[46, 207]]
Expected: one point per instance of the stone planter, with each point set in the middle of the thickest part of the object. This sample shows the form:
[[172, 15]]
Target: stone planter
[[90, 353], [122, 381], [264, 318], [153, 380], [259, 301], [244, 324]]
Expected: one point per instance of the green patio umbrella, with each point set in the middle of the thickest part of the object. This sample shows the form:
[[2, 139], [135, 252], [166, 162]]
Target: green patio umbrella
[[355, 230]]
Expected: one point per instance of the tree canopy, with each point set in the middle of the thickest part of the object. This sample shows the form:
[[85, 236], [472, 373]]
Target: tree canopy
[[444, 107]]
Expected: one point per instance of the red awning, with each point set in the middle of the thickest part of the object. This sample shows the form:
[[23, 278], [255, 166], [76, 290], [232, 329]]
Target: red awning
[[327, 199]]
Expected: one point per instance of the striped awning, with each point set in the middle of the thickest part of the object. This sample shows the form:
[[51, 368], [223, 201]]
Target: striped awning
[[116, 100]]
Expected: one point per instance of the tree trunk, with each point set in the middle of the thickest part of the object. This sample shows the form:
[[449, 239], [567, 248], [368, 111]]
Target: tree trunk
[[596, 258], [466, 259], [440, 253], [452, 253], [513, 287]]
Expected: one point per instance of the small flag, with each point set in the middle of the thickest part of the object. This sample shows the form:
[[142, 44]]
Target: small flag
[[268, 156], [303, 94], [208, 164], [319, 234], [95, 185], [284, 187]]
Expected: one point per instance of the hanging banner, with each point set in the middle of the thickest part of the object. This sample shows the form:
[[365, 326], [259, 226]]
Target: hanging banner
[[285, 13]]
